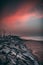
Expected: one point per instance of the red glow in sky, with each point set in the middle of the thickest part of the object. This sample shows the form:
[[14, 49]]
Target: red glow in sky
[[16, 21]]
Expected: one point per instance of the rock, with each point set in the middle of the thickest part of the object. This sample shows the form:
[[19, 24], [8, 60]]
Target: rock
[[15, 53]]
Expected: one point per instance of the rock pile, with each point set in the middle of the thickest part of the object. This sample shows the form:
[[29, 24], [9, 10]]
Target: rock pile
[[14, 52]]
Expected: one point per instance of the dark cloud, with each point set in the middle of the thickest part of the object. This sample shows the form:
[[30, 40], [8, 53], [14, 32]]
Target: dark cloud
[[9, 7], [39, 7]]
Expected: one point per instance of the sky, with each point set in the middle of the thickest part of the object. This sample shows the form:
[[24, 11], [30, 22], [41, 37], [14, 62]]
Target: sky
[[21, 17]]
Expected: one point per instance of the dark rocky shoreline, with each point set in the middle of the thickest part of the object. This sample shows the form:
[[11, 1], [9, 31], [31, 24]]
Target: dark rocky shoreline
[[13, 51]]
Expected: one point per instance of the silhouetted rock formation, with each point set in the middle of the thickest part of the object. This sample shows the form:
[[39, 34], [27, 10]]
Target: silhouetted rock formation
[[14, 52]]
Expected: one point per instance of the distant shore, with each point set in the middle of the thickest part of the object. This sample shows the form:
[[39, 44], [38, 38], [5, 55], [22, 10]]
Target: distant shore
[[36, 38]]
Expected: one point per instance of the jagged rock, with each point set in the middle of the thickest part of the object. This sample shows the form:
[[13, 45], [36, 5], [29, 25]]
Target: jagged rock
[[14, 52]]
